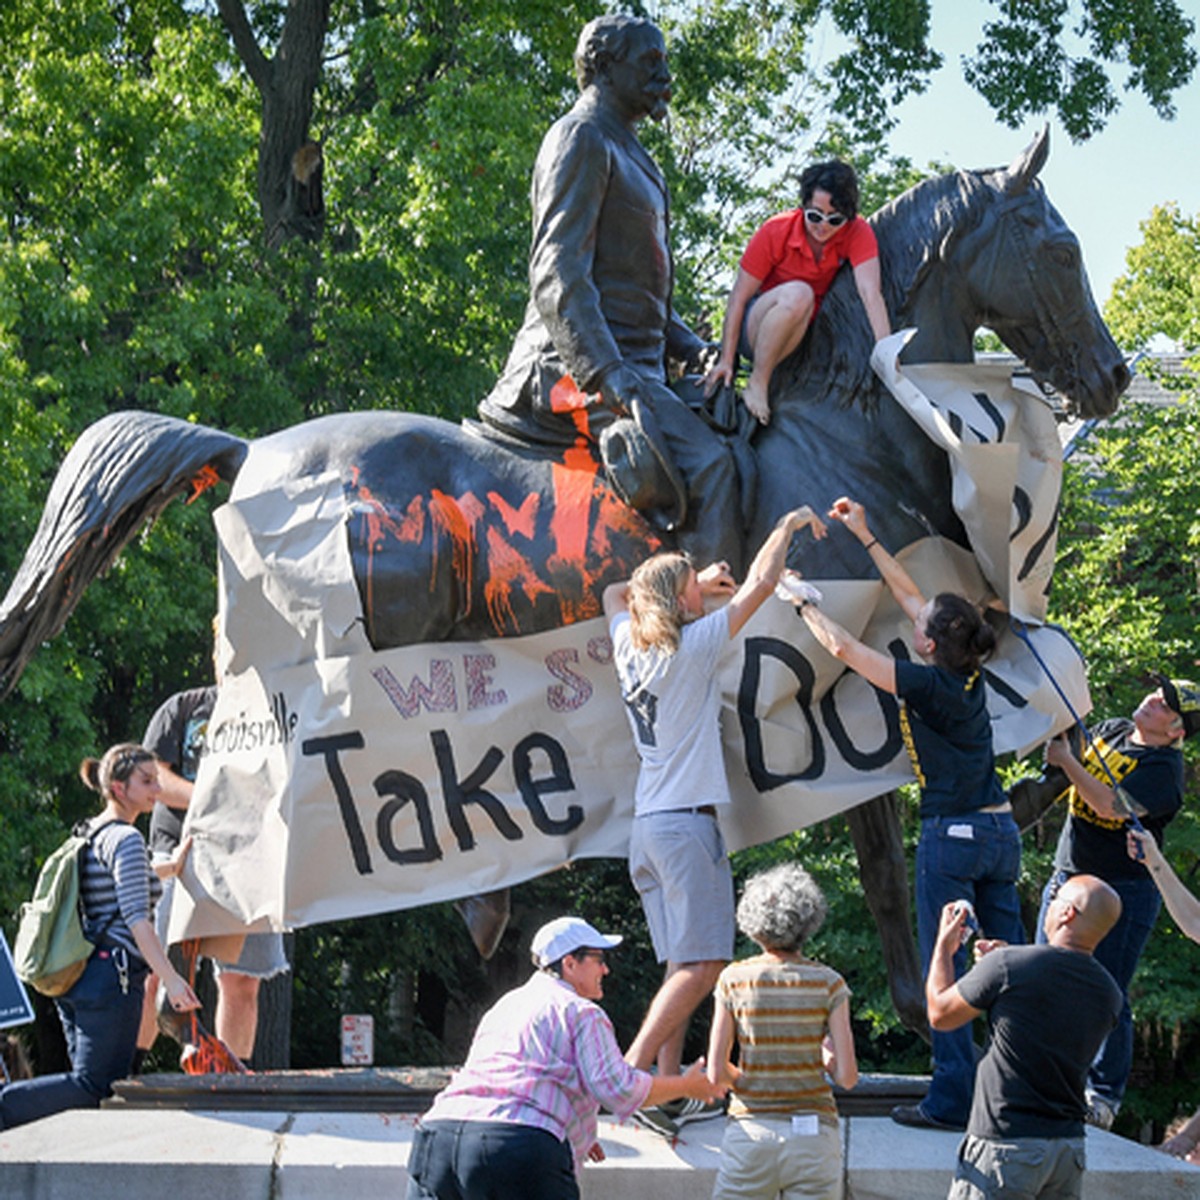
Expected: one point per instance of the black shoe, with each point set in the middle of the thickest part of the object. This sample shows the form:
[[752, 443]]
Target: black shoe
[[916, 1117], [657, 1121], [684, 1111]]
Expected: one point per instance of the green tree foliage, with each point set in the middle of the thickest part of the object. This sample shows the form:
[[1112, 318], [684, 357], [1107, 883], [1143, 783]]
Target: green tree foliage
[[1127, 589], [139, 268], [1159, 294], [1042, 55]]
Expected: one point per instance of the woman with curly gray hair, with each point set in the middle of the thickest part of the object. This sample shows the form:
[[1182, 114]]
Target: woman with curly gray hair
[[790, 1017]]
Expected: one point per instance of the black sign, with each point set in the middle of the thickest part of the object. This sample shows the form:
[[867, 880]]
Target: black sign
[[15, 1008]]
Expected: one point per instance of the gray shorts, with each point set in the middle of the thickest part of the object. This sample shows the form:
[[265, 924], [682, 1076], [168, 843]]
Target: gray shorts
[[262, 954], [1049, 1168], [679, 865]]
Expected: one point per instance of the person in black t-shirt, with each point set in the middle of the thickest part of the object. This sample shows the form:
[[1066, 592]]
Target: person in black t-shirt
[[1049, 1007], [970, 847], [176, 735], [1144, 757]]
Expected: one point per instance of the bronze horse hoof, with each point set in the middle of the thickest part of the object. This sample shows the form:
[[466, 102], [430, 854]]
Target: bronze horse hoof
[[486, 918]]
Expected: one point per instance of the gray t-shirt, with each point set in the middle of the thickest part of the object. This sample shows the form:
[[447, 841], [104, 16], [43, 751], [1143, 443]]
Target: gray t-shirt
[[1048, 1011], [673, 702]]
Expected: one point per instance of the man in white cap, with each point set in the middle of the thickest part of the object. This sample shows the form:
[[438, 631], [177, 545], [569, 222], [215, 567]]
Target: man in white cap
[[519, 1117], [1141, 756]]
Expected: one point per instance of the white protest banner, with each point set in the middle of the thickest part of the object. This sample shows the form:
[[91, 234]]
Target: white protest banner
[[376, 781], [1005, 463]]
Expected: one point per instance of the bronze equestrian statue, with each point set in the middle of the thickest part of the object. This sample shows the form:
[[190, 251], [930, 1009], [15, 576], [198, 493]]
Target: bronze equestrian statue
[[461, 534]]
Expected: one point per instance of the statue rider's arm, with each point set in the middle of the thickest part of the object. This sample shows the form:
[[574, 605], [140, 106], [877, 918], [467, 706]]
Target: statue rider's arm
[[684, 345], [868, 281], [569, 189]]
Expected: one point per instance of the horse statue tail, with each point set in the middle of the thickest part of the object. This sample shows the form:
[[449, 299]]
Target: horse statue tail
[[122, 472]]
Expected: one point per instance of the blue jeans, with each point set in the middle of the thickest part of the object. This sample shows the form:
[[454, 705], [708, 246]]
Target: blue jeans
[[489, 1160], [1118, 954], [975, 857], [100, 1019]]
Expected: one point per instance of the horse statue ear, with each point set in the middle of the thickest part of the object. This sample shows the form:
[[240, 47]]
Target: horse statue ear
[[1025, 168]]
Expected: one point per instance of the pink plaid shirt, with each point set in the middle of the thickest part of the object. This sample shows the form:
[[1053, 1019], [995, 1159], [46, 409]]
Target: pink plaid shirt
[[544, 1056]]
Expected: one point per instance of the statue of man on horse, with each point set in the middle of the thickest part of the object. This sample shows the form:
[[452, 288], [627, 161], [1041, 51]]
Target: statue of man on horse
[[590, 361]]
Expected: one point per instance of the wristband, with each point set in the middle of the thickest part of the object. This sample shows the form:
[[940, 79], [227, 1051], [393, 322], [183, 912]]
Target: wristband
[[872, 542]]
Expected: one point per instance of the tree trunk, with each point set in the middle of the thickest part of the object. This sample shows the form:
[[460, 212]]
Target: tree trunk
[[883, 870], [289, 161]]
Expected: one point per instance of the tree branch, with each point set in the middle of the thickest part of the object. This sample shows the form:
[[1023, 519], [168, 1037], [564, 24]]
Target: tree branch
[[233, 13]]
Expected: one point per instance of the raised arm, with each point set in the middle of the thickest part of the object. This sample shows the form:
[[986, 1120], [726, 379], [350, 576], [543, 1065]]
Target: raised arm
[[944, 1004], [899, 581], [875, 667], [1095, 793], [768, 565], [615, 599], [176, 791], [1181, 904]]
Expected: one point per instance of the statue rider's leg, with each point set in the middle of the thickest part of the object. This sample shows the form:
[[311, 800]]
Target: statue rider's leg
[[712, 531]]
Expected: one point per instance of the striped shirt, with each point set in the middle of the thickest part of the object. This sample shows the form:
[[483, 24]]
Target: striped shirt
[[781, 1013], [545, 1057], [116, 884]]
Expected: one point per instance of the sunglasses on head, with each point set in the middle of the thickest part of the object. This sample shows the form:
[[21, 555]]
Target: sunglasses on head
[[815, 216]]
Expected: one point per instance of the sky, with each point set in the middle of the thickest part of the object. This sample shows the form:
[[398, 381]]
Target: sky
[[1103, 188]]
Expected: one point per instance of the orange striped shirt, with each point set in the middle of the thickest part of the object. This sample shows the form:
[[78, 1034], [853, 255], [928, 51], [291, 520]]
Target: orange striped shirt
[[781, 1013]]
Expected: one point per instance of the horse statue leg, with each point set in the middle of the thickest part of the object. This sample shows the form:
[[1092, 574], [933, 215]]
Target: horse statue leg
[[883, 871], [486, 918]]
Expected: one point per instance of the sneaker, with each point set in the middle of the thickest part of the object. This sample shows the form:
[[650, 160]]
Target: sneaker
[[655, 1119], [1099, 1113], [686, 1110], [914, 1116]]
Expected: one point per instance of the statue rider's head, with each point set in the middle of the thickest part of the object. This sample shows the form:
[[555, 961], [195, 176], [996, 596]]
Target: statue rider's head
[[625, 57]]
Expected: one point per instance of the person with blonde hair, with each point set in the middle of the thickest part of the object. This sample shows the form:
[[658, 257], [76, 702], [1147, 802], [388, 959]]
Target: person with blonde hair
[[790, 1017], [101, 1012], [666, 652]]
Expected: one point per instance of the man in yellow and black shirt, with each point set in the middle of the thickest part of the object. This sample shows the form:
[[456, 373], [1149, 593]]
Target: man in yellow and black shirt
[[1143, 757]]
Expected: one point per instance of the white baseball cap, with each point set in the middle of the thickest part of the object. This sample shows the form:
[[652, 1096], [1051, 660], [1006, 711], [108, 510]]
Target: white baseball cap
[[565, 934]]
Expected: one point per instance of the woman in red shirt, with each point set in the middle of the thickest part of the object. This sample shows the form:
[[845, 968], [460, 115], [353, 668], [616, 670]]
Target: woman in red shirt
[[787, 268]]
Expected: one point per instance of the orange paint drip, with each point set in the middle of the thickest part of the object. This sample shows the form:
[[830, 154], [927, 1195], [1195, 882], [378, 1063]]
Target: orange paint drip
[[572, 483], [203, 479], [507, 568], [517, 520], [566, 397], [616, 517], [379, 522], [455, 519]]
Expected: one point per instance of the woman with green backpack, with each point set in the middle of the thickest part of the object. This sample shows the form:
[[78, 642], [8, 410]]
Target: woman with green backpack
[[101, 1011]]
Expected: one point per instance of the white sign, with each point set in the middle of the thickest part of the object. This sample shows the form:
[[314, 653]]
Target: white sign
[[358, 1040]]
